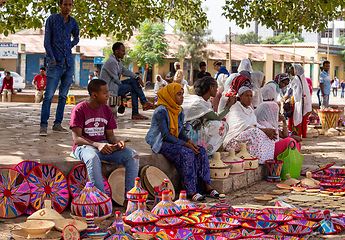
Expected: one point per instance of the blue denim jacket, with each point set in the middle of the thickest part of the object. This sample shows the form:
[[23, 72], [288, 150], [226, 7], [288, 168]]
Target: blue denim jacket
[[160, 130], [57, 39]]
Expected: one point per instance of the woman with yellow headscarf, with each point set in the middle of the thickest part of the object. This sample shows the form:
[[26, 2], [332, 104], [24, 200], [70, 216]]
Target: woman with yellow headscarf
[[167, 136]]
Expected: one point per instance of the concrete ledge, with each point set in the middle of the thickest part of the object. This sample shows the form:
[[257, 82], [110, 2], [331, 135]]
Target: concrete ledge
[[30, 98], [237, 181]]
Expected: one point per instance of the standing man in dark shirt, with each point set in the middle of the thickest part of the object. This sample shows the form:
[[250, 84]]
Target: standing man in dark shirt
[[58, 44], [203, 72]]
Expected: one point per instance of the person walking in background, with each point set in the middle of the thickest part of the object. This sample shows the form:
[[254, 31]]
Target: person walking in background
[[300, 100], [335, 86], [221, 77], [325, 84], [7, 87], [202, 72], [58, 45], [342, 85], [40, 82], [178, 77]]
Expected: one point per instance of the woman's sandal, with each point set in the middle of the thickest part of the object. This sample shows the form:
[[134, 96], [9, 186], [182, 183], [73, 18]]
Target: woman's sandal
[[212, 193], [150, 106], [197, 197], [139, 117]]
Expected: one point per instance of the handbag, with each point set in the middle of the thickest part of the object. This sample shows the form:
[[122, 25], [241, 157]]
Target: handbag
[[293, 161]]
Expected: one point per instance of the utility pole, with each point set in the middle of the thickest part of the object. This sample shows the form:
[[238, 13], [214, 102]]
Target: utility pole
[[230, 68]]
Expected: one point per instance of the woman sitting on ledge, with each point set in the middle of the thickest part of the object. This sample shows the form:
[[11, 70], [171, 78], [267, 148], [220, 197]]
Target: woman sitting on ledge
[[167, 136], [267, 115], [244, 128], [206, 127]]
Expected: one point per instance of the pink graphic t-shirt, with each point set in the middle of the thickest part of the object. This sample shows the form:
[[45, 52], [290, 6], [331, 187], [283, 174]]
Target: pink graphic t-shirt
[[94, 122]]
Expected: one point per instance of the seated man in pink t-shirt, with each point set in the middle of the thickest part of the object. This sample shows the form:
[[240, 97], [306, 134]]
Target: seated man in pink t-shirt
[[92, 124]]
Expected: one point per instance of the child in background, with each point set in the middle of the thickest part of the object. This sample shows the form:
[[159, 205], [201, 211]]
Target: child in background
[[7, 87], [40, 82], [92, 124], [90, 78]]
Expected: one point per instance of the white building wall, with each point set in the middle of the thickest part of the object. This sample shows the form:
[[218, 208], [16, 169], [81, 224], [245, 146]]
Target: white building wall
[[309, 37]]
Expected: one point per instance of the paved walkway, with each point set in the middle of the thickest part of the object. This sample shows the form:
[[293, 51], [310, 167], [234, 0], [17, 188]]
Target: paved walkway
[[19, 124]]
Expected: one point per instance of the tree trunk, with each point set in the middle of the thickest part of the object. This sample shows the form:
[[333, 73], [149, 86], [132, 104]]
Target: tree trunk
[[146, 71], [191, 82]]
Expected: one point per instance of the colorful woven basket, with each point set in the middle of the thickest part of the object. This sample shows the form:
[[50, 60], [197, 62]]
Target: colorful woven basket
[[91, 200]]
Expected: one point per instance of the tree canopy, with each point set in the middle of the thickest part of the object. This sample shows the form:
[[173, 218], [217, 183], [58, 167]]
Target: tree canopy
[[248, 38], [283, 38], [109, 17], [151, 47], [287, 15], [194, 51]]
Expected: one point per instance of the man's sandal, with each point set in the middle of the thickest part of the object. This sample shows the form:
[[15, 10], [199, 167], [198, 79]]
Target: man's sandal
[[139, 117], [149, 107]]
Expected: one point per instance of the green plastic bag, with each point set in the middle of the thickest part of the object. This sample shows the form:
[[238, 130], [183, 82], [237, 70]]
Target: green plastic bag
[[293, 160]]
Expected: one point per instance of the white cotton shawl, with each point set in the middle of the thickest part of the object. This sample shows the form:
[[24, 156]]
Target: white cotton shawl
[[267, 115], [159, 85], [245, 65], [257, 79], [297, 85], [269, 92], [239, 118], [195, 106]]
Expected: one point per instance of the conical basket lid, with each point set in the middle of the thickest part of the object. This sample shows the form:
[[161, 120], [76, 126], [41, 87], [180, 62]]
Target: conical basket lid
[[90, 195], [243, 154], [217, 163], [46, 213]]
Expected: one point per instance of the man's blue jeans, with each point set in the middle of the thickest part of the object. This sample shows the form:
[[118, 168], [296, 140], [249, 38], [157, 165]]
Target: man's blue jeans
[[342, 93], [132, 85], [92, 157], [55, 73]]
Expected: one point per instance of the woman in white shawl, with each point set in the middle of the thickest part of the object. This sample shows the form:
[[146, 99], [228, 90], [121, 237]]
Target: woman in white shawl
[[244, 128], [258, 81], [206, 127], [160, 83], [267, 115], [246, 65], [271, 89], [245, 68], [301, 100]]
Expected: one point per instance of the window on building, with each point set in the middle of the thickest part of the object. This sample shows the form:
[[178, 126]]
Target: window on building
[[341, 32], [277, 32], [327, 33]]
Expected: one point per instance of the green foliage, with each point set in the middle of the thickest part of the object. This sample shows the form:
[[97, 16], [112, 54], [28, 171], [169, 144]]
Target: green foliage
[[287, 15], [151, 47], [248, 38], [109, 17], [195, 49], [342, 40], [283, 38]]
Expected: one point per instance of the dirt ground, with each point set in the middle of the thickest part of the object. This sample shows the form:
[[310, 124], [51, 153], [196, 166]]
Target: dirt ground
[[19, 124]]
